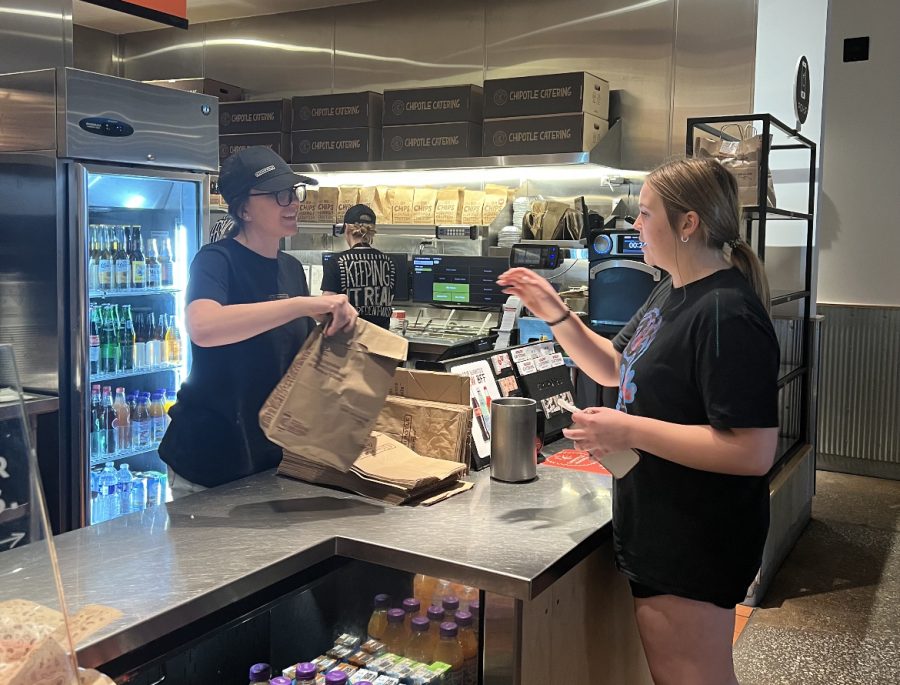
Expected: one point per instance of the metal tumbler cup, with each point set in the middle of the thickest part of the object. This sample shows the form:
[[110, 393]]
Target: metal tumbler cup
[[513, 428]]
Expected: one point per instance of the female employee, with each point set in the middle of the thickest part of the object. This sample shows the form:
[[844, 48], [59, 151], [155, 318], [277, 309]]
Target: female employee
[[362, 273], [697, 372], [247, 309]]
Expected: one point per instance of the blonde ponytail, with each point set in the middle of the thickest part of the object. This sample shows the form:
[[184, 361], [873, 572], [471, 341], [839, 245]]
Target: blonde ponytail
[[744, 259], [362, 233]]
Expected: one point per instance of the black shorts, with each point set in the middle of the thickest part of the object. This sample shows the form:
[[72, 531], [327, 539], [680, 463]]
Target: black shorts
[[641, 591]]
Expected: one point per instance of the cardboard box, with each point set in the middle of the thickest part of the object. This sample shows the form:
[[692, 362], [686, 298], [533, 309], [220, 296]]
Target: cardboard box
[[336, 145], [431, 141], [576, 91], [279, 142], [224, 91], [255, 116], [340, 110], [430, 385], [542, 135], [433, 105]]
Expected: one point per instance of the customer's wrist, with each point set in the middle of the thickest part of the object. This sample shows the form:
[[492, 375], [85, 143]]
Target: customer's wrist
[[561, 318]]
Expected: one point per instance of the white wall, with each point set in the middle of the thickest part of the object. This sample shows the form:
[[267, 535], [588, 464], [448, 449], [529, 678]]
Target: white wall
[[785, 31], [859, 235]]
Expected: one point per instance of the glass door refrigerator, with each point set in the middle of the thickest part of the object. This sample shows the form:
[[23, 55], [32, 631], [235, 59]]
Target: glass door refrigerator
[[141, 231], [104, 188]]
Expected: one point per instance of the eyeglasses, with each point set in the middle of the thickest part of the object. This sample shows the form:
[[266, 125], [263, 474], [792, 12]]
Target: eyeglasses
[[284, 198]]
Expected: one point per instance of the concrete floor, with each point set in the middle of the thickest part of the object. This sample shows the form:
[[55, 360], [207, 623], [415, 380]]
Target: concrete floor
[[832, 614]]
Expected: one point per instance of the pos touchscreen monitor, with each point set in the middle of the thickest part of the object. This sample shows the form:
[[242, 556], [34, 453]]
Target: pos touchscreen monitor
[[458, 280], [401, 269]]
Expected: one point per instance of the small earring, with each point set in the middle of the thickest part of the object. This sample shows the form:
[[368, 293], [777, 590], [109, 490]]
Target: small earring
[[685, 238]]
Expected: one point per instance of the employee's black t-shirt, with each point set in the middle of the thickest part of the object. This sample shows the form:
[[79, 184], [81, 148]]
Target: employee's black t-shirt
[[705, 354], [367, 277], [214, 436]]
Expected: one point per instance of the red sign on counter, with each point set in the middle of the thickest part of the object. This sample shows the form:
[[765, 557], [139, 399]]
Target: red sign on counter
[[576, 460]]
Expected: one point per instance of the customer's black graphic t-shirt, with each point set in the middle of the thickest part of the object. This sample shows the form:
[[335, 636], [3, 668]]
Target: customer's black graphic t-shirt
[[366, 276], [704, 354], [214, 436]]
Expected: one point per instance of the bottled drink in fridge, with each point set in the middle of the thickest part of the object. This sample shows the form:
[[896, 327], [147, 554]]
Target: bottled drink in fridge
[[413, 608], [154, 346], [469, 642], [104, 261], [109, 422], [141, 425], [94, 260], [159, 337], [166, 264], [419, 647], [127, 340], [140, 341], [123, 419], [125, 479], [153, 272], [449, 650], [260, 673], [138, 264], [173, 342], [158, 419], [108, 342], [121, 265], [378, 621], [395, 633], [94, 339], [435, 616], [98, 436], [106, 504]]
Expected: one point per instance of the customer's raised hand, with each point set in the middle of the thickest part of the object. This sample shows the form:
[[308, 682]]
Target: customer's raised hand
[[536, 293]]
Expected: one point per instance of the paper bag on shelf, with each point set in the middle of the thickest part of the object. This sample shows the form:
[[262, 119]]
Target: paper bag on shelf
[[448, 206], [326, 206], [423, 206]]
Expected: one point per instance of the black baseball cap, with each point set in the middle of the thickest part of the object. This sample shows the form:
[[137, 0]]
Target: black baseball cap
[[359, 214], [257, 168]]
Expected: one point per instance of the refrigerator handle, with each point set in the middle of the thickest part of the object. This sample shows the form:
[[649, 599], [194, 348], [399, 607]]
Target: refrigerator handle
[[79, 390]]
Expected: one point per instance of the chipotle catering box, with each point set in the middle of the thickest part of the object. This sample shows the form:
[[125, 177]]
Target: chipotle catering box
[[340, 110], [540, 135], [255, 116], [575, 91], [336, 145], [432, 141], [279, 142], [224, 91], [433, 105], [430, 413]]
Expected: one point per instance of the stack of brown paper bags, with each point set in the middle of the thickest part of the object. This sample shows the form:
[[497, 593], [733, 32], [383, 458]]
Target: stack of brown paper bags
[[386, 470]]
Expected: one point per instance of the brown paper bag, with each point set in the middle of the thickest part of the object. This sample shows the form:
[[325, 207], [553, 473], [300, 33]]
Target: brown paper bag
[[401, 205], [308, 209], [473, 201], [741, 158], [495, 199], [347, 197], [448, 206], [367, 198], [326, 206], [433, 429], [327, 402], [423, 206], [382, 206]]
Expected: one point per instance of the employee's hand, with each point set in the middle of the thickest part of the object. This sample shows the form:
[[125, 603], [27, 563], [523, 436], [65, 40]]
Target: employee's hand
[[535, 292], [342, 314], [600, 431]]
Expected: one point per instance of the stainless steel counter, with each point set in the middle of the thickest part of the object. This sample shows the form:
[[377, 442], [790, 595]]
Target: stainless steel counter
[[177, 563]]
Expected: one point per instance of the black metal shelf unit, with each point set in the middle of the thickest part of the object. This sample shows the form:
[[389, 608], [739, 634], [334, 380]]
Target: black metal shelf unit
[[757, 217]]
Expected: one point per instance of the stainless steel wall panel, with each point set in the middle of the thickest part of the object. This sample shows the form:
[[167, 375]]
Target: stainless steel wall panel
[[28, 111], [95, 50], [715, 54], [162, 54], [278, 55], [403, 44], [628, 43], [30, 210], [859, 384], [35, 34]]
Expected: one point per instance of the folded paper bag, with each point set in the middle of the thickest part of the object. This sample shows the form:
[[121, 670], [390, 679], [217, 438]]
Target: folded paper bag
[[326, 404]]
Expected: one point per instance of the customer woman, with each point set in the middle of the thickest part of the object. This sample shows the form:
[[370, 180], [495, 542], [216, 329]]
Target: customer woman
[[697, 374], [363, 273], [248, 313]]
